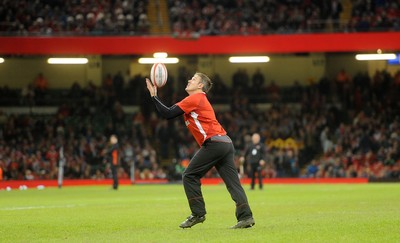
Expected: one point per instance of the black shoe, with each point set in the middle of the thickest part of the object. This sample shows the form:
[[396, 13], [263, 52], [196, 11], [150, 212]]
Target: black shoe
[[246, 223], [192, 220]]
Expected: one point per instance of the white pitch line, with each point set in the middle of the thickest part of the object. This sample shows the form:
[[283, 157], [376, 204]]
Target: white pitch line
[[42, 207]]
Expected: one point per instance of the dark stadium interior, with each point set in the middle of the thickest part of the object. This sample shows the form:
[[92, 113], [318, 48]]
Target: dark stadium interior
[[345, 124]]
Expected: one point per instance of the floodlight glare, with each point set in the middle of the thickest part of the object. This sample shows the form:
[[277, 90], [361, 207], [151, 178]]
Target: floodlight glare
[[149, 60], [375, 57], [160, 55], [67, 60], [249, 59]]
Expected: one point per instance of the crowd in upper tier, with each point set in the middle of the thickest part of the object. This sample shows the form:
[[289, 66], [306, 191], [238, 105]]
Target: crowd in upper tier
[[73, 17], [199, 17], [256, 17]]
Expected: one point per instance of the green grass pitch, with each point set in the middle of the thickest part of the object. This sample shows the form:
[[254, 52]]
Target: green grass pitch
[[152, 213]]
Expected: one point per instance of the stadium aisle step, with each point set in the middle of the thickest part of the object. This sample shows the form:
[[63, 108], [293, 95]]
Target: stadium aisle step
[[158, 15]]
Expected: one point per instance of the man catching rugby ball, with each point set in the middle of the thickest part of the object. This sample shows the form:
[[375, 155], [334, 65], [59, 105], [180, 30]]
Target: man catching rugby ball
[[216, 150]]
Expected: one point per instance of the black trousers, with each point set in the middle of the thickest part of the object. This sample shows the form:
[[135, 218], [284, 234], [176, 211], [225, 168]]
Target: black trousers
[[256, 169], [220, 155], [114, 172]]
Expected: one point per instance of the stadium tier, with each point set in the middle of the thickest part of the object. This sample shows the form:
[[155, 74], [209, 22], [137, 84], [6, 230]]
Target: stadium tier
[[320, 112]]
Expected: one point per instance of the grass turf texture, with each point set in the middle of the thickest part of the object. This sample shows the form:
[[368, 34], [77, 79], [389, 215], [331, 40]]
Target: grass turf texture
[[152, 213]]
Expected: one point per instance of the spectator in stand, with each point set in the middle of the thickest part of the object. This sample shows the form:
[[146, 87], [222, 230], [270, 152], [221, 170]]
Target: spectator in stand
[[163, 134], [28, 95], [52, 158], [143, 25], [220, 89], [257, 82], [240, 81], [40, 85], [312, 169], [118, 84], [75, 91], [273, 92], [1, 172], [335, 10], [3, 121], [296, 91], [292, 161]]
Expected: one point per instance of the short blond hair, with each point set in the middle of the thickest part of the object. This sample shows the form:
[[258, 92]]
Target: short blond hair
[[206, 81]]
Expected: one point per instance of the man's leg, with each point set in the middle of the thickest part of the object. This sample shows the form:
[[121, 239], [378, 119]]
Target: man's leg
[[228, 173], [199, 165], [259, 172], [253, 176], [115, 176]]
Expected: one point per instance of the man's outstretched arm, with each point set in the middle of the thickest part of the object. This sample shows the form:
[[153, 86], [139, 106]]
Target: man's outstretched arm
[[166, 112]]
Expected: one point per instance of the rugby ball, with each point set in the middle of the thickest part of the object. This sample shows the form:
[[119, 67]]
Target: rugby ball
[[158, 74]]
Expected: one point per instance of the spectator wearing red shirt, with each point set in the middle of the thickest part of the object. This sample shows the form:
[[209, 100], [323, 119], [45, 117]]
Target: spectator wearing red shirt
[[52, 157], [40, 85]]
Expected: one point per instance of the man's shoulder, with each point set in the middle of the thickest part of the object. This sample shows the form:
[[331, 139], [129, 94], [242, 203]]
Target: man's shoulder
[[198, 95]]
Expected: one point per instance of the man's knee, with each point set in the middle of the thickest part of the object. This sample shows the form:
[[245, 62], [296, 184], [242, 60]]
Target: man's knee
[[188, 177]]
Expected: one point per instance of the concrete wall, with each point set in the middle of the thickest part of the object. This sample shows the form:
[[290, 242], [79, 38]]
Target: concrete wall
[[17, 72], [283, 69], [334, 63], [382, 65]]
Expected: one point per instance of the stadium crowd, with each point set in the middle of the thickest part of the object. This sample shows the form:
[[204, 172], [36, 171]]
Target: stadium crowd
[[251, 17], [339, 127], [378, 15], [70, 17], [194, 18]]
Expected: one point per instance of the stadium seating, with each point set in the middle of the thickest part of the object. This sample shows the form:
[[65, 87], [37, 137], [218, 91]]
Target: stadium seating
[[345, 136], [313, 130], [194, 18], [74, 17]]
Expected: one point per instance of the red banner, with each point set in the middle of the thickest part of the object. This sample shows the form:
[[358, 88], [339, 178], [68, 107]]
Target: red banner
[[116, 45]]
